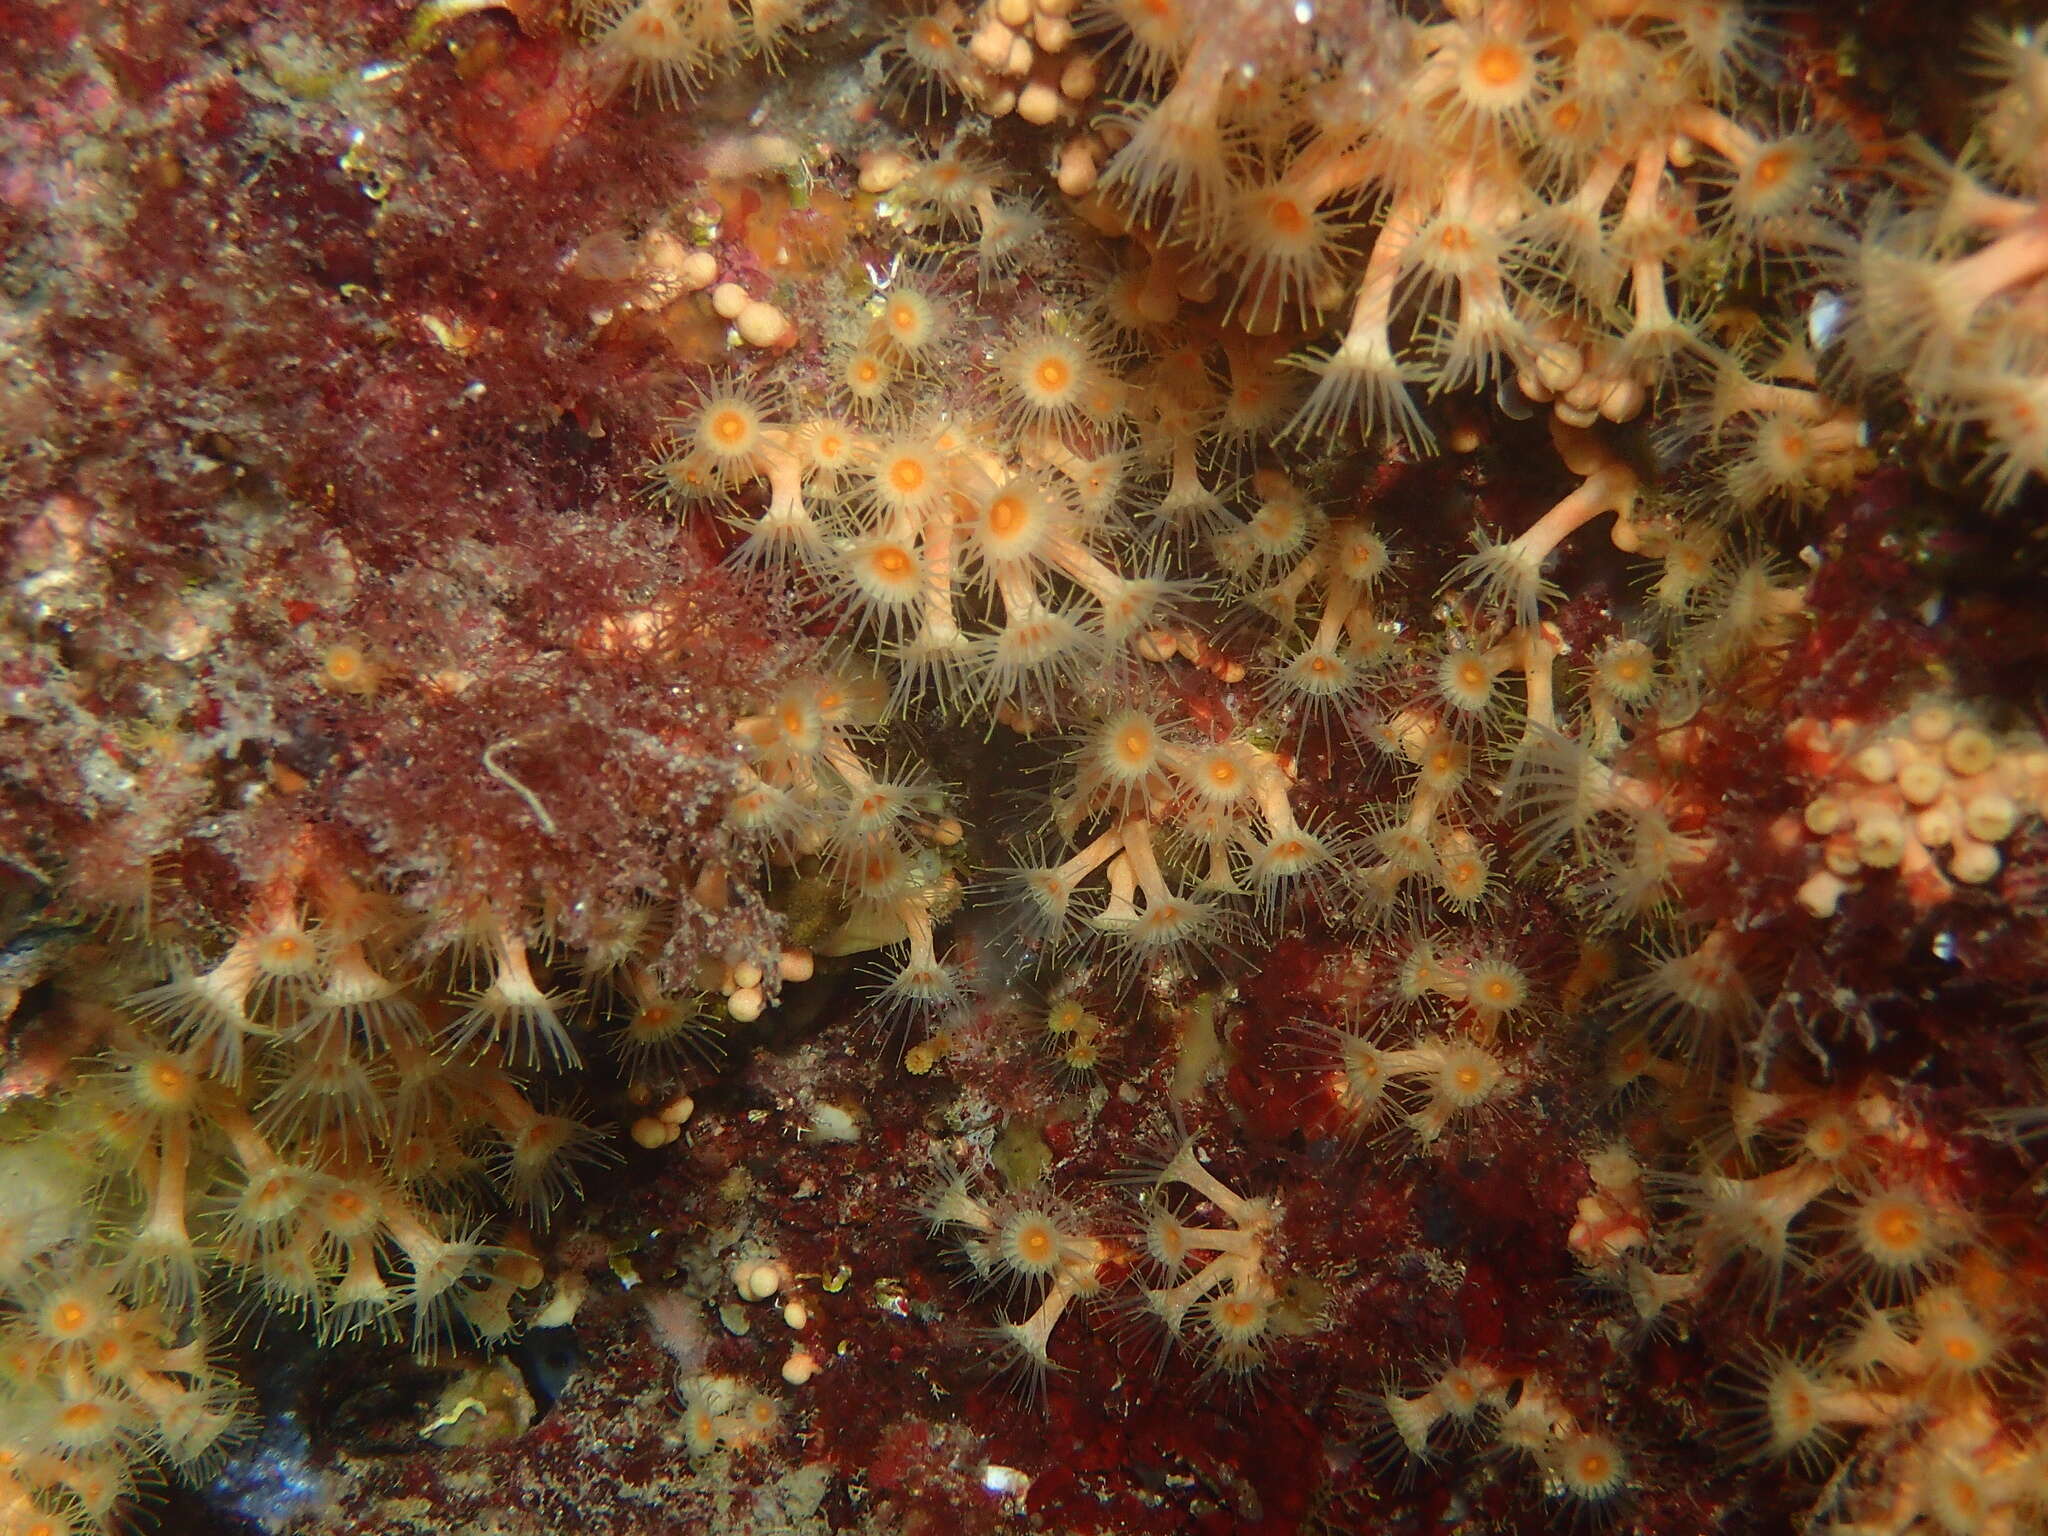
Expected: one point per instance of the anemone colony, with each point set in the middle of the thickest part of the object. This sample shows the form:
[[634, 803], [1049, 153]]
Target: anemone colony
[[1089, 765]]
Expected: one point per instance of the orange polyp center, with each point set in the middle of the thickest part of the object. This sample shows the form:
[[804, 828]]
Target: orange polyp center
[[1456, 239], [1468, 1078], [1322, 666], [1006, 515], [1498, 64], [1285, 215], [1897, 1229], [933, 37], [655, 1019], [1052, 375], [907, 476], [166, 1078], [1035, 1243], [1135, 745], [865, 370], [1223, 772], [892, 562], [69, 1317], [729, 427], [1471, 675]]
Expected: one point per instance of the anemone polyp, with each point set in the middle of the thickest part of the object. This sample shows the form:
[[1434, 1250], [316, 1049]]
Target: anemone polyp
[[728, 430], [1589, 1467]]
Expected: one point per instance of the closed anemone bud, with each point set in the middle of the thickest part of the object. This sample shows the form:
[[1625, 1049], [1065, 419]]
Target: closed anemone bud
[[761, 325], [1969, 752]]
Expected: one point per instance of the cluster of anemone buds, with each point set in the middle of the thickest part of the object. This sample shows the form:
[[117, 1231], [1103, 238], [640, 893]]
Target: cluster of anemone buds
[[1580, 377], [721, 1411], [649, 273], [744, 984], [666, 1124], [757, 1278], [1024, 61], [1931, 781], [755, 321], [1615, 1217]]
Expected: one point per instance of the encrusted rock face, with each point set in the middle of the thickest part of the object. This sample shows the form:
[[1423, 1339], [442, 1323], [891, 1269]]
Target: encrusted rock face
[[802, 766]]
